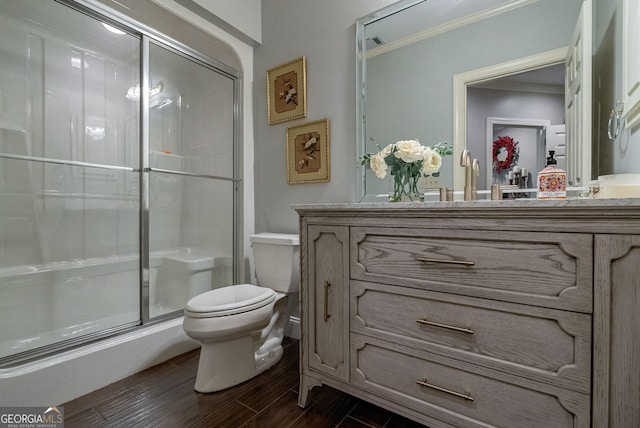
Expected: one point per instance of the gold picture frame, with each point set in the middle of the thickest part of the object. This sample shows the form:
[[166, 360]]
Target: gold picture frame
[[287, 91], [308, 154]]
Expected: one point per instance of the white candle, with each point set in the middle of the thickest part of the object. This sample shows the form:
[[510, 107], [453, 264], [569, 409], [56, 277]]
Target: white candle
[[510, 175], [516, 169]]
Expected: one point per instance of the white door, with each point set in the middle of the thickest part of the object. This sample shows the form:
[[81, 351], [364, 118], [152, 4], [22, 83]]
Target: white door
[[578, 100], [556, 141]]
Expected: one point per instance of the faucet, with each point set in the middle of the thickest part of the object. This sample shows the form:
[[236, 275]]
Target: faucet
[[465, 161], [471, 172], [475, 172]]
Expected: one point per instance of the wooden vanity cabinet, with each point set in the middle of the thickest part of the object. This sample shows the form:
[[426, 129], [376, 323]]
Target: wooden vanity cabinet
[[325, 344], [459, 315], [616, 354]]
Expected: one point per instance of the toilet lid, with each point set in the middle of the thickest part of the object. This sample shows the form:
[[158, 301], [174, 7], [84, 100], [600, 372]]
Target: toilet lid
[[229, 300]]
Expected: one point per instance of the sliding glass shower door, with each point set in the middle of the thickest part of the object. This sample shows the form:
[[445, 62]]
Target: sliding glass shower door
[[69, 177], [118, 177], [191, 179]]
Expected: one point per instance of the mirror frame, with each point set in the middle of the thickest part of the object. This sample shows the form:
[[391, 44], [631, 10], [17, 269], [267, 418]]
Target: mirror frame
[[361, 96], [459, 142]]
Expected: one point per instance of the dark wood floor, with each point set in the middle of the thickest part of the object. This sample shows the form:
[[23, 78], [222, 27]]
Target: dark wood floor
[[163, 396]]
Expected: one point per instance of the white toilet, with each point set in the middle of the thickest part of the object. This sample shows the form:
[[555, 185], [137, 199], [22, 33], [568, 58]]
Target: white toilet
[[241, 327]]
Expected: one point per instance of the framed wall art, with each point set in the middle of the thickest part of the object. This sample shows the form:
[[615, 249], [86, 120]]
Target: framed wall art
[[308, 153], [287, 91]]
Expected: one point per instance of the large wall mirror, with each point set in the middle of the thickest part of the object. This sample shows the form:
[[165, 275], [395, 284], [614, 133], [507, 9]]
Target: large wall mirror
[[435, 70]]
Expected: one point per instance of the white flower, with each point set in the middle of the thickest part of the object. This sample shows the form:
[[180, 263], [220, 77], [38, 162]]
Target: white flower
[[408, 160], [387, 150], [378, 164], [431, 161], [409, 151]]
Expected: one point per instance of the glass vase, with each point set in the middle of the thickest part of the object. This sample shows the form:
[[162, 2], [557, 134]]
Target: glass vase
[[405, 189]]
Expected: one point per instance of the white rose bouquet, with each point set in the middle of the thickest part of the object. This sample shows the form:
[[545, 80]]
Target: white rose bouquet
[[407, 160]]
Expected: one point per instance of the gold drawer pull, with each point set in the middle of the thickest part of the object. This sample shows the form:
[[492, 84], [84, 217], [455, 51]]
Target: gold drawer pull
[[326, 301], [447, 262], [449, 327], [448, 391]]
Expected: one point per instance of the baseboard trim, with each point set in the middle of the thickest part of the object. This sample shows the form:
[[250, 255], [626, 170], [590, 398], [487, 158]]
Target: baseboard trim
[[293, 328]]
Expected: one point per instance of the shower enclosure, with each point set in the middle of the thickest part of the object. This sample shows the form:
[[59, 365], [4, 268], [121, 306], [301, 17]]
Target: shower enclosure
[[119, 176]]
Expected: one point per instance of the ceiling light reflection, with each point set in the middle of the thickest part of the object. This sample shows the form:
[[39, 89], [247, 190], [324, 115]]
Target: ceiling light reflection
[[114, 30], [133, 93]]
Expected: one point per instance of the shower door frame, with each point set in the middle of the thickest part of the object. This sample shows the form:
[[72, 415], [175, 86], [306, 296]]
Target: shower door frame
[[147, 34], [102, 13]]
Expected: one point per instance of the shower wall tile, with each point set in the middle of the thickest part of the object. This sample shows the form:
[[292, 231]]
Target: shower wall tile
[[206, 217], [21, 232], [74, 224], [101, 229], [57, 232], [165, 128], [128, 227], [164, 229], [16, 204], [12, 106], [85, 106], [95, 293], [98, 183], [15, 177], [207, 133], [18, 216], [13, 96], [20, 292]]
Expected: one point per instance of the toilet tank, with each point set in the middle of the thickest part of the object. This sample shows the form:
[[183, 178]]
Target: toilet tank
[[277, 260]]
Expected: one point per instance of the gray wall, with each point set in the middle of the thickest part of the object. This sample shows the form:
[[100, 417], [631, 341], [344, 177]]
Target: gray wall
[[323, 32]]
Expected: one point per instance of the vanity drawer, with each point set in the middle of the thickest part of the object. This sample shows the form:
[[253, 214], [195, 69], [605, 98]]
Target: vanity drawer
[[460, 395], [546, 345], [552, 270]]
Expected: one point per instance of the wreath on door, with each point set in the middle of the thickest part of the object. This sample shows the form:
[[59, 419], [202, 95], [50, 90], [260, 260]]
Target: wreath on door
[[505, 154]]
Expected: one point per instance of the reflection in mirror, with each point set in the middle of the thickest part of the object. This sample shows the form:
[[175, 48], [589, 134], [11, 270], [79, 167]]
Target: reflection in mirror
[[409, 52], [517, 151], [522, 107]]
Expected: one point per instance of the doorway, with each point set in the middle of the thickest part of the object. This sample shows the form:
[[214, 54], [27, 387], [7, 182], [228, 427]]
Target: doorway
[[527, 150], [500, 77], [576, 59]]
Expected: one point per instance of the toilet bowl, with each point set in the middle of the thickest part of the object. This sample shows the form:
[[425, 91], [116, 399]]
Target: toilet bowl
[[241, 327]]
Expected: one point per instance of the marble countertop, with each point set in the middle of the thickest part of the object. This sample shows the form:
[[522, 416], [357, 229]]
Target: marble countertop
[[479, 204]]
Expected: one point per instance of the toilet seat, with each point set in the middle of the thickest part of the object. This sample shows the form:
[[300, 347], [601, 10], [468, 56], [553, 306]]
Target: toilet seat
[[230, 300]]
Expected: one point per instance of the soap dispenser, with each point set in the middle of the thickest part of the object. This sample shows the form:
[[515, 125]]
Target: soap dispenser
[[552, 181]]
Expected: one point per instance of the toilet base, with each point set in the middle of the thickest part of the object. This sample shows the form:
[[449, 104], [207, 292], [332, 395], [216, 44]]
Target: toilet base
[[225, 364], [267, 360], [229, 362]]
